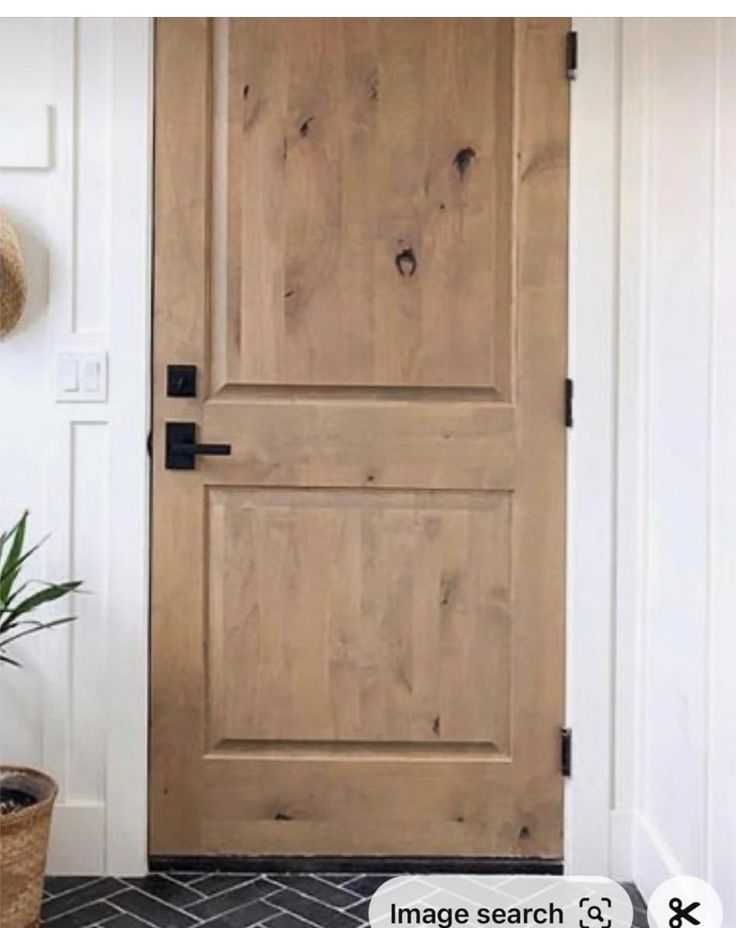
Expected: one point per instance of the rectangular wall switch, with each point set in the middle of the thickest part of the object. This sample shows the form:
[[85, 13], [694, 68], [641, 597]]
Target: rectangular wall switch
[[81, 377], [67, 375]]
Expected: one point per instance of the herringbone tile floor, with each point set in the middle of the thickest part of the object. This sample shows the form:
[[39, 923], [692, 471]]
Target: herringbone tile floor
[[222, 900]]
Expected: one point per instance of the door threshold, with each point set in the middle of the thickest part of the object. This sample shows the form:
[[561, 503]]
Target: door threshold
[[240, 864]]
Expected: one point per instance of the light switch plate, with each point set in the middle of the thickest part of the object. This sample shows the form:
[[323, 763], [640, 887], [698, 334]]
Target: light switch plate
[[81, 377]]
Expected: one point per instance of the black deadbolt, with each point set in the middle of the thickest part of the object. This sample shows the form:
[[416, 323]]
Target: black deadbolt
[[181, 380]]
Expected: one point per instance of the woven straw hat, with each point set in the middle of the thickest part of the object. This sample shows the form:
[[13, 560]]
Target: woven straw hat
[[12, 277]]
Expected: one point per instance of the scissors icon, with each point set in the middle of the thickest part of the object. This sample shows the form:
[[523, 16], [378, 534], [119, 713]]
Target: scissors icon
[[682, 912]]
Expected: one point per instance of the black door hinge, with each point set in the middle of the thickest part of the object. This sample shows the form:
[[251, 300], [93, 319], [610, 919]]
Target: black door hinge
[[569, 390], [149, 444], [566, 751], [571, 55]]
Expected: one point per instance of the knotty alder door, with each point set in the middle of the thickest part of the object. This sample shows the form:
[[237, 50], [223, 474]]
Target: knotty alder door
[[357, 615]]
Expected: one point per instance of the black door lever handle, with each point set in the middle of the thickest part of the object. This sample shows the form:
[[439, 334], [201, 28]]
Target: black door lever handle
[[182, 447], [188, 448]]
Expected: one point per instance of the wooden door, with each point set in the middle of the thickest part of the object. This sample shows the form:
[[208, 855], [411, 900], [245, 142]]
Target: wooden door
[[360, 242]]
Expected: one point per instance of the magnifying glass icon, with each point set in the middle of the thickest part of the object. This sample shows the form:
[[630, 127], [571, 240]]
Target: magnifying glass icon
[[594, 913]]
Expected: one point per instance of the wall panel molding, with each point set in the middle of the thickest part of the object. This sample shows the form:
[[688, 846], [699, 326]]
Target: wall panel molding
[[591, 442], [130, 398], [653, 860], [79, 707], [631, 435], [672, 279], [673, 806], [721, 721], [78, 837]]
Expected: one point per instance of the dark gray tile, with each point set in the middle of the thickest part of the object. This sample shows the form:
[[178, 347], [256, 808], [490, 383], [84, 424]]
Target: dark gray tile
[[190, 899], [285, 920], [225, 902], [640, 906], [368, 884], [186, 876], [312, 910], [252, 913], [338, 878], [89, 891], [215, 883], [636, 897], [124, 920], [151, 910], [80, 918], [160, 886], [336, 896], [360, 909], [62, 884]]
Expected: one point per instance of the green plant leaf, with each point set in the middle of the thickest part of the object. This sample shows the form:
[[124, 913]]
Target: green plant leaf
[[47, 595], [14, 570], [16, 603], [11, 565], [37, 627], [4, 659], [5, 607], [51, 592]]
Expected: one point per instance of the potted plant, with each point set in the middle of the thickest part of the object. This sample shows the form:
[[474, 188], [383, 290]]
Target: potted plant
[[26, 796]]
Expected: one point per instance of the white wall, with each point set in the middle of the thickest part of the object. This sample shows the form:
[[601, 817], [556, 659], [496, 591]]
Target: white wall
[[78, 707], [673, 802]]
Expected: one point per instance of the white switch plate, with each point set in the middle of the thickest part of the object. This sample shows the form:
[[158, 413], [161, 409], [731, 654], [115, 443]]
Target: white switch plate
[[67, 375], [81, 377]]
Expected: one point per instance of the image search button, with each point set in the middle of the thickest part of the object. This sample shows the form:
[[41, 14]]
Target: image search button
[[594, 913]]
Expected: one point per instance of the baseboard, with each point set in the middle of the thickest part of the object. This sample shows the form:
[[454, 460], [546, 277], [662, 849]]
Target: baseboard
[[77, 839], [491, 865], [653, 861], [620, 857]]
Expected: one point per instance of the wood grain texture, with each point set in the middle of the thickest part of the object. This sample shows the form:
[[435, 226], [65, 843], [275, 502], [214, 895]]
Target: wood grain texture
[[358, 616], [437, 445], [362, 202], [181, 246]]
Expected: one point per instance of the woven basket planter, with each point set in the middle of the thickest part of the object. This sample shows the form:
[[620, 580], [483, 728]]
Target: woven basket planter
[[24, 841], [12, 277]]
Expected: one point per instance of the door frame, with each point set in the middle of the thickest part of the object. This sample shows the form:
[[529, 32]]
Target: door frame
[[591, 477]]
